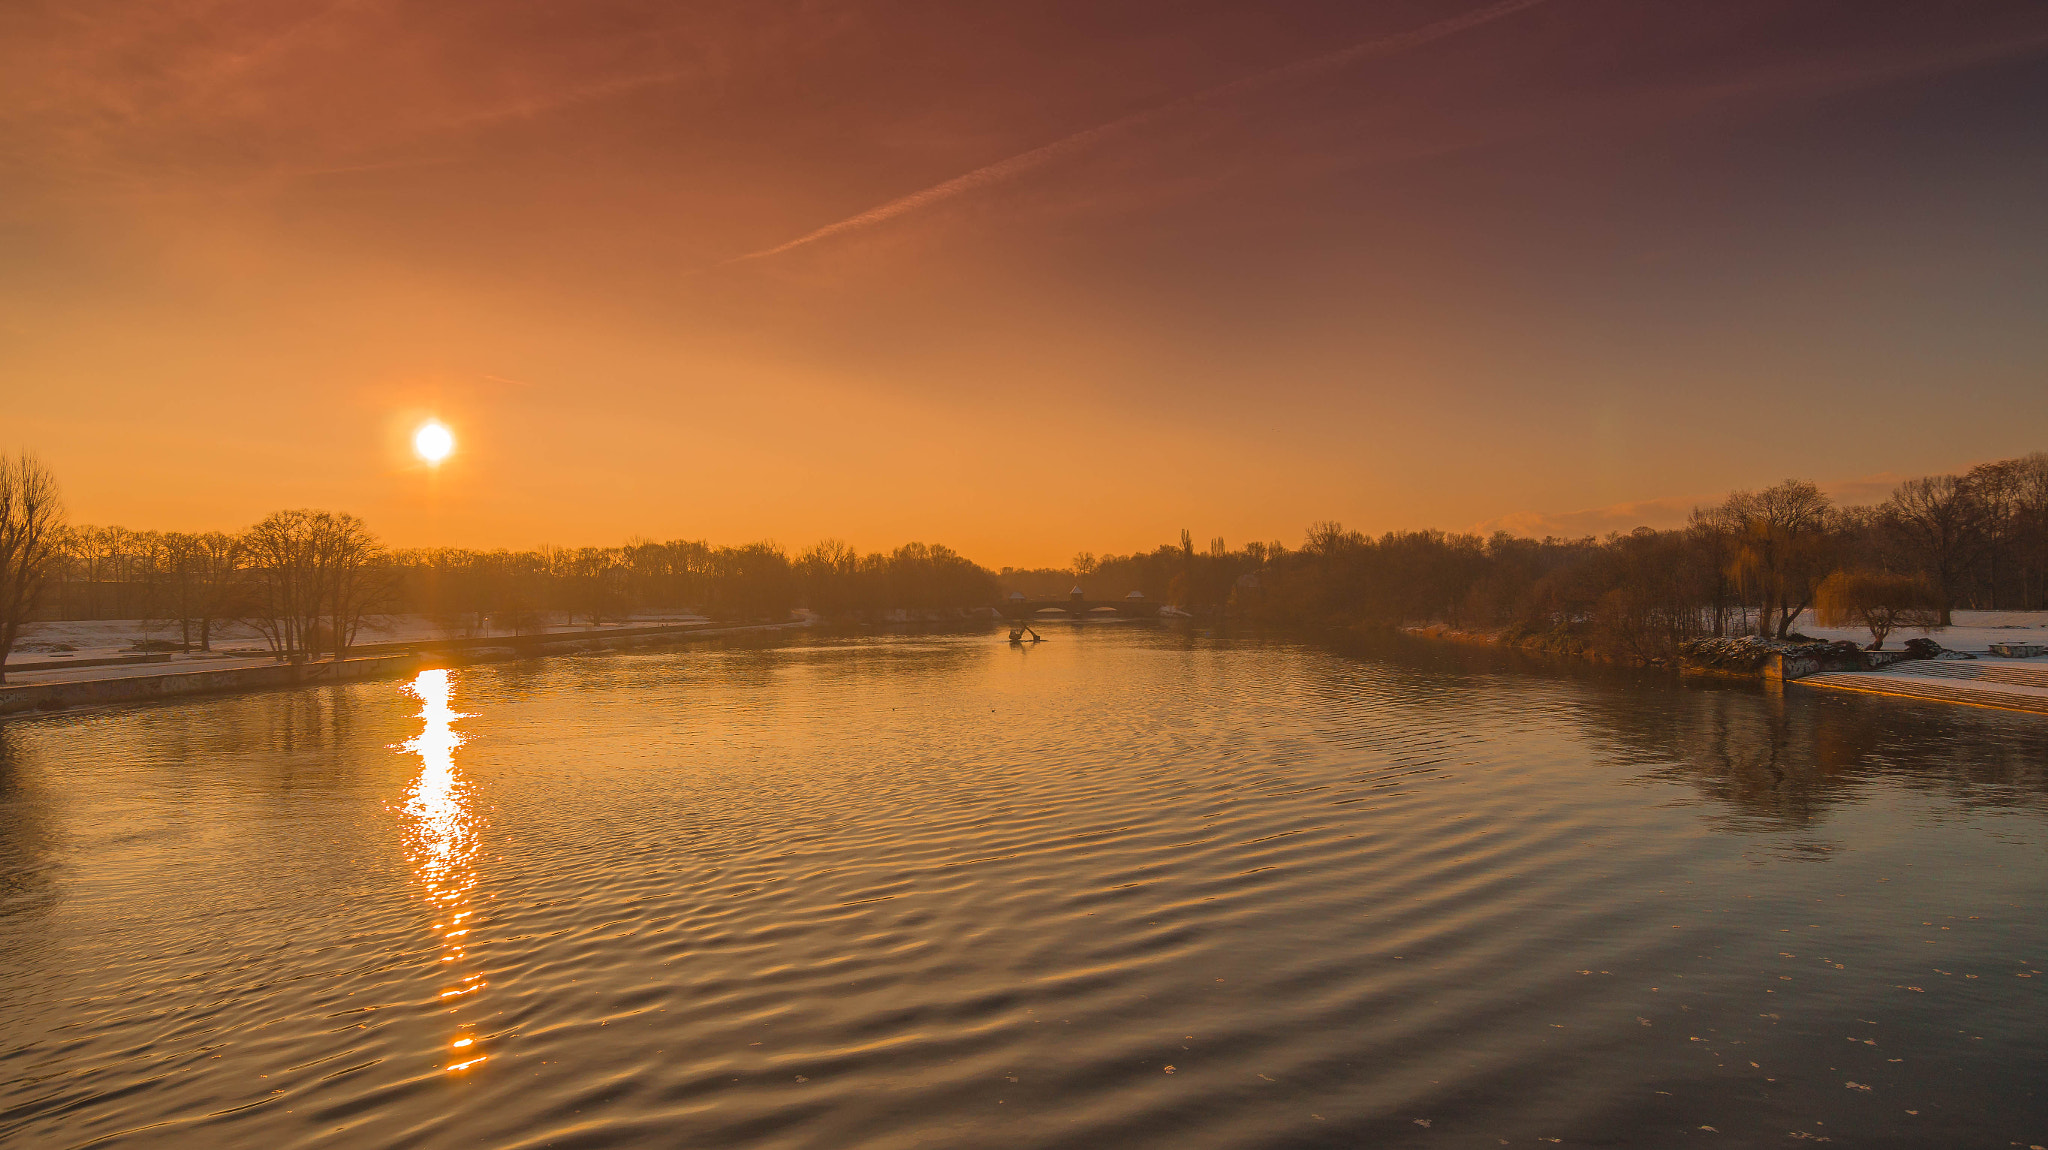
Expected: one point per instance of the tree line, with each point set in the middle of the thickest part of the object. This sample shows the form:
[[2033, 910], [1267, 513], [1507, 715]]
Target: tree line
[[1749, 565], [752, 582], [306, 580]]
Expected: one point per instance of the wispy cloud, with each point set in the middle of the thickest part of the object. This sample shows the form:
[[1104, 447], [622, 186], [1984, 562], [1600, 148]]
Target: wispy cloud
[[233, 93], [548, 102], [1017, 165]]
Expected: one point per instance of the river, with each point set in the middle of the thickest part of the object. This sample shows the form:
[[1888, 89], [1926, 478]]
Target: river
[[1130, 887]]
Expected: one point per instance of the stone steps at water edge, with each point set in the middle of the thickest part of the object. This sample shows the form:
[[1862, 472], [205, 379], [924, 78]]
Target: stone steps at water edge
[[2020, 674], [1946, 689]]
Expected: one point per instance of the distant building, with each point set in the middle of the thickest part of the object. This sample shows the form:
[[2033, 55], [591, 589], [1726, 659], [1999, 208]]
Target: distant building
[[1135, 595], [1077, 593]]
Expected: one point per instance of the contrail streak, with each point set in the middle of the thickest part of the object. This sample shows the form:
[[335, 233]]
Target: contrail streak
[[1017, 165]]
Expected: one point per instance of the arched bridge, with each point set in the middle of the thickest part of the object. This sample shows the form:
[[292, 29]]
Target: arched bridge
[[1026, 609]]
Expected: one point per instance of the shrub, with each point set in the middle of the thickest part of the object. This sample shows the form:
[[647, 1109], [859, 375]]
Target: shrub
[[1881, 603]]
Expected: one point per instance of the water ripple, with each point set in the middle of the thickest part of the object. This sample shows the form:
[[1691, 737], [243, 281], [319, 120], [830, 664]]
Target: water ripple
[[1130, 888]]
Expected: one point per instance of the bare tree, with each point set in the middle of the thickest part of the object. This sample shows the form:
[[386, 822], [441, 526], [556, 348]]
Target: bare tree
[[594, 583], [176, 555], [2013, 495], [31, 522], [284, 596], [93, 550], [1782, 550], [1881, 603], [828, 573], [1712, 531], [1938, 523], [1325, 538], [315, 575], [354, 578], [218, 559]]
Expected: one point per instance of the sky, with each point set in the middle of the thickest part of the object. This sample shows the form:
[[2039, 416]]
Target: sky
[[1022, 279]]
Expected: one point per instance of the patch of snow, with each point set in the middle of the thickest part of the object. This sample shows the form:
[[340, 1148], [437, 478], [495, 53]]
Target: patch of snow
[[1973, 631], [107, 638]]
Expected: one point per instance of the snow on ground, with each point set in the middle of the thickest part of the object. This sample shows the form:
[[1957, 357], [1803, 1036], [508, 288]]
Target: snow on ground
[[1973, 631], [1988, 680], [83, 639], [107, 638], [2012, 684], [234, 647]]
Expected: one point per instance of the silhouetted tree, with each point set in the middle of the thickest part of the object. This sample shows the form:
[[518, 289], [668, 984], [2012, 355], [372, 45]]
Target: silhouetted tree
[[31, 520], [2013, 494], [1938, 525], [1782, 549], [1876, 601], [306, 567]]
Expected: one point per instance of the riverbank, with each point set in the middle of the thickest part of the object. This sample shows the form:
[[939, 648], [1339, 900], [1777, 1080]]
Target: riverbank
[[98, 683], [2005, 684], [1561, 642], [1969, 671], [53, 644]]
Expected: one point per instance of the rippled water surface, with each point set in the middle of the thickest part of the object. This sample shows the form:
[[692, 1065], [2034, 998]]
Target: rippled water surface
[[1127, 888]]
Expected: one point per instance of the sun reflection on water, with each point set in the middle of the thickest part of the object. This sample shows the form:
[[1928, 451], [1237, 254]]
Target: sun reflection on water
[[441, 835]]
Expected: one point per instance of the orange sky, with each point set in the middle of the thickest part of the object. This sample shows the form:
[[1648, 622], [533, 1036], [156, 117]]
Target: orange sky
[[1134, 268]]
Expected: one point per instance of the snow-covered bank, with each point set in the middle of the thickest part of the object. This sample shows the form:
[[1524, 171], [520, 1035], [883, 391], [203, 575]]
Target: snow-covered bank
[[65, 687], [1973, 631], [1965, 672], [2008, 684], [83, 639]]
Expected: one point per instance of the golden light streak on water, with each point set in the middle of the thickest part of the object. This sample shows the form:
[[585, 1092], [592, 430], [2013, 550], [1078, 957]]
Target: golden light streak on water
[[931, 891], [442, 833]]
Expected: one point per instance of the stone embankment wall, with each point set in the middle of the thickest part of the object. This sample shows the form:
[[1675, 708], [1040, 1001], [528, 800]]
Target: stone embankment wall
[[1790, 659], [144, 688], [378, 663]]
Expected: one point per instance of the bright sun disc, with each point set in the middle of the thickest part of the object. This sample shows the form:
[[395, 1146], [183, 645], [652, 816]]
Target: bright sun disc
[[433, 442]]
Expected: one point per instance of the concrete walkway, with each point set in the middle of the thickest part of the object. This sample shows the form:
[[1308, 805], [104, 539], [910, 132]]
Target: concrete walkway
[[217, 662]]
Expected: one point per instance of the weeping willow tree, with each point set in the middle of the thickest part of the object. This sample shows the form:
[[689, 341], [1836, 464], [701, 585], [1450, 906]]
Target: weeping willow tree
[[1785, 540], [1882, 603]]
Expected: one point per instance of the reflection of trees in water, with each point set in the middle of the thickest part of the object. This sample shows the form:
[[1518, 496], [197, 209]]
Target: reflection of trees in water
[[757, 661], [27, 846], [1769, 763], [1781, 757], [1773, 757], [277, 740]]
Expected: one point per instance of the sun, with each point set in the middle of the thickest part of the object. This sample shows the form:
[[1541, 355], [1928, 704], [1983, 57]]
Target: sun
[[433, 442]]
